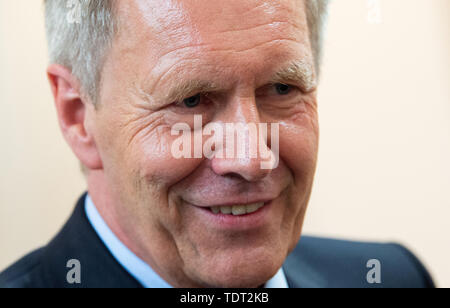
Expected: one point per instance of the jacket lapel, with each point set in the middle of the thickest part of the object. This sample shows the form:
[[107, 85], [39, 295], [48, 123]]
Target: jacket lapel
[[78, 240]]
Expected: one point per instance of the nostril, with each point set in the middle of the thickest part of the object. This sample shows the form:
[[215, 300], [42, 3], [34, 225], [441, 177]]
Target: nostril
[[234, 176], [250, 171]]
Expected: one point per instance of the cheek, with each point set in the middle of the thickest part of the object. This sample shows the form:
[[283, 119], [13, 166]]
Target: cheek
[[299, 139], [298, 149], [138, 157], [152, 159]]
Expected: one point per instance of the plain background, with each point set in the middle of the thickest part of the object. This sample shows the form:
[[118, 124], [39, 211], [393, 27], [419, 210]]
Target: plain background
[[384, 165]]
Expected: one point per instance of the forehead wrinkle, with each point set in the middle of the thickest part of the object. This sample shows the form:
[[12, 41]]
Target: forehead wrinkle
[[298, 71], [149, 87]]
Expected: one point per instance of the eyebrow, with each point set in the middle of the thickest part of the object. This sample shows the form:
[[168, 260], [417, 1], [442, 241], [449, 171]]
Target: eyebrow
[[190, 88], [300, 72]]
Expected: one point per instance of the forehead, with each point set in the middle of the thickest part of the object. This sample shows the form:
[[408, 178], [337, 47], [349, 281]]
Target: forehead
[[214, 35]]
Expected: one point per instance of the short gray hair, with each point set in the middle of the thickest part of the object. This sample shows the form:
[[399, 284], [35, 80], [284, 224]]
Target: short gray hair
[[316, 13], [79, 33], [81, 45]]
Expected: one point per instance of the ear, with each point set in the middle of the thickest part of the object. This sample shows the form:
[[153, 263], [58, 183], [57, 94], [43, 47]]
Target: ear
[[72, 113]]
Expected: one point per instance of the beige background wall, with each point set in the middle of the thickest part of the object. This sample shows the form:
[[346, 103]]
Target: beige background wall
[[384, 170]]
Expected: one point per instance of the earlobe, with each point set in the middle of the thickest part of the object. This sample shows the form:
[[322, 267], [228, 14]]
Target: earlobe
[[73, 112]]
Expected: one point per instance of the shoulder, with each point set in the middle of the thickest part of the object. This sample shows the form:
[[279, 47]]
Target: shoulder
[[322, 262], [49, 266], [24, 273]]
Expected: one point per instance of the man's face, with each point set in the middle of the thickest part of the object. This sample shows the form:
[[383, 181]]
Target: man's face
[[232, 59]]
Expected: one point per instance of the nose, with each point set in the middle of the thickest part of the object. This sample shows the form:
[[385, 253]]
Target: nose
[[245, 144]]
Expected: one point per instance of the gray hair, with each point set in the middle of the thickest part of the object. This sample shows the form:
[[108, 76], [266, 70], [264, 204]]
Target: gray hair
[[80, 32], [316, 13]]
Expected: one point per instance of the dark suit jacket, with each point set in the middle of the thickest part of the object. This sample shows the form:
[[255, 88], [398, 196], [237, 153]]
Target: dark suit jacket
[[315, 262]]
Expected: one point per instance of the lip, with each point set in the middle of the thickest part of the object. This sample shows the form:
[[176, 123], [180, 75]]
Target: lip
[[222, 200], [234, 223]]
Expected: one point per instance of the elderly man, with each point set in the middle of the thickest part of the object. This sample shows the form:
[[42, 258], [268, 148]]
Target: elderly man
[[124, 73]]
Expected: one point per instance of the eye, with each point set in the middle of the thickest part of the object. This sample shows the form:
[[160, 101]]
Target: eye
[[283, 89], [192, 101]]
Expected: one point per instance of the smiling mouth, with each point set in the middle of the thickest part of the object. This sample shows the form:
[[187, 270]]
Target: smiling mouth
[[237, 210], [236, 216]]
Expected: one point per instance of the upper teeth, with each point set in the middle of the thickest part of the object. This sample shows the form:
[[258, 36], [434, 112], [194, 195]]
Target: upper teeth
[[237, 210]]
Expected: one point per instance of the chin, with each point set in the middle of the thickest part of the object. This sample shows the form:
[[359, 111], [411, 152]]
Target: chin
[[240, 271]]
